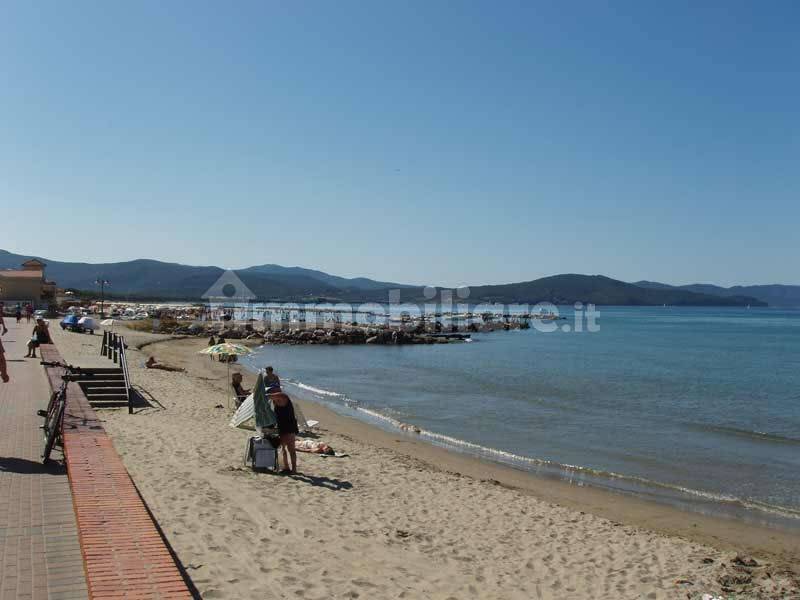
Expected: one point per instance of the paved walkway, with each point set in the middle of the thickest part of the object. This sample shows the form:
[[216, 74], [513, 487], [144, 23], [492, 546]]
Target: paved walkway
[[40, 555]]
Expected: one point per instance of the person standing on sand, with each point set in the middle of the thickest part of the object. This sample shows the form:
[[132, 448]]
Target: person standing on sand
[[211, 342], [271, 379], [28, 312], [287, 428], [3, 372]]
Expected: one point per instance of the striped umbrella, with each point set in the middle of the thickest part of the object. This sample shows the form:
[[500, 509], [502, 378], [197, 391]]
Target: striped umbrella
[[227, 349]]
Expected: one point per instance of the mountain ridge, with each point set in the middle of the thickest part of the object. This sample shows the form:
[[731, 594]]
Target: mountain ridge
[[774, 294], [151, 278]]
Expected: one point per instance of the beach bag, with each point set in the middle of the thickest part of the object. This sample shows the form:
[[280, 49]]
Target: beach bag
[[261, 454]]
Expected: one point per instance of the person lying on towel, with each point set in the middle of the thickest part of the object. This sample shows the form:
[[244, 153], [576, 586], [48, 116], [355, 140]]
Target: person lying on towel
[[152, 364]]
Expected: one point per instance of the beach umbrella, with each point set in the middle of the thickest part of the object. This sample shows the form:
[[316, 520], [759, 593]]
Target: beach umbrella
[[265, 416], [227, 349], [108, 323]]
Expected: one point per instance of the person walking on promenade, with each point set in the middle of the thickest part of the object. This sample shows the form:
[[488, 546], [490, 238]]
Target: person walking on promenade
[[3, 371]]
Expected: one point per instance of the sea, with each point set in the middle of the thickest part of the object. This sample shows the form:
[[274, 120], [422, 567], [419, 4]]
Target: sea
[[695, 407]]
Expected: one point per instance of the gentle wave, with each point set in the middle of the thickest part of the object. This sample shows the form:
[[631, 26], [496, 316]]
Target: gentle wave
[[316, 390], [736, 431], [516, 459]]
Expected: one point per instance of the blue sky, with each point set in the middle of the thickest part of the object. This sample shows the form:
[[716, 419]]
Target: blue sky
[[431, 142]]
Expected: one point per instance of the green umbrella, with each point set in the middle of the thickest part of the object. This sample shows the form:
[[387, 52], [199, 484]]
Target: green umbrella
[[265, 416]]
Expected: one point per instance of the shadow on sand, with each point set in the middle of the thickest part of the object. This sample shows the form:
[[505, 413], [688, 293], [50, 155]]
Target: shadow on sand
[[335, 485]]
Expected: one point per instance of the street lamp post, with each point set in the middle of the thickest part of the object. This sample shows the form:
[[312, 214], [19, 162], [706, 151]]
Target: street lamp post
[[102, 283]]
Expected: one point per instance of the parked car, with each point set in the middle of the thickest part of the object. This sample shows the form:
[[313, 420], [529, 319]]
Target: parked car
[[72, 323]]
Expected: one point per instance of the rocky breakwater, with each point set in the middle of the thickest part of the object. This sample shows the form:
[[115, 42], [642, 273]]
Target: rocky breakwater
[[320, 336], [356, 335]]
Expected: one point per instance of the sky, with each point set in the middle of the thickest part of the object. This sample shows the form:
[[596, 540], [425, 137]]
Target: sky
[[435, 142]]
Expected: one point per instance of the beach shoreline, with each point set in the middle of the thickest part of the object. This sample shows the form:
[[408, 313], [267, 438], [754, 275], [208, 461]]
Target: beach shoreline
[[634, 516]]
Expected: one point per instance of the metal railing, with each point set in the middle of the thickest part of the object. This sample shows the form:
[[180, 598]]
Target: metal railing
[[113, 348]]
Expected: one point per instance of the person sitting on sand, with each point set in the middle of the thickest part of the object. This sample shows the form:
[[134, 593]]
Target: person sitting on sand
[[287, 428], [39, 336], [151, 364], [271, 380], [239, 389]]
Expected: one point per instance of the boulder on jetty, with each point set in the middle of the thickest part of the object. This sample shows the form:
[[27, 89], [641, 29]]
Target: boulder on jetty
[[340, 335]]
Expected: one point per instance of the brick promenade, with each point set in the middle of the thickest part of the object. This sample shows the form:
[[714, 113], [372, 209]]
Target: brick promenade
[[40, 555]]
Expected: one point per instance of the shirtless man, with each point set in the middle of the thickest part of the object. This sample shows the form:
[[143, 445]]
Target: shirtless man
[[272, 380]]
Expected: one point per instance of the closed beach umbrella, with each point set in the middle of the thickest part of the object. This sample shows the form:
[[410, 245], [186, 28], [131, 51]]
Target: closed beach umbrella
[[265, 416]]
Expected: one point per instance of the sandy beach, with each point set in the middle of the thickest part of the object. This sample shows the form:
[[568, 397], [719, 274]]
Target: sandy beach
[[398, 518]]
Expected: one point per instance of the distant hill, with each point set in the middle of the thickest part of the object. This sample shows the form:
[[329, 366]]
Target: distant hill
[[145, 278], [774, 294], [356, 283], [597, 289], [152, 278]]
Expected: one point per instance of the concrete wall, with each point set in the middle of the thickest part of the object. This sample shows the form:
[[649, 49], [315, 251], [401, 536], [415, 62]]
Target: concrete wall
[[14, 289]]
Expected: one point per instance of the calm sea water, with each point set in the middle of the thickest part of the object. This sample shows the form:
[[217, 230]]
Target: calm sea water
[[695, 405]]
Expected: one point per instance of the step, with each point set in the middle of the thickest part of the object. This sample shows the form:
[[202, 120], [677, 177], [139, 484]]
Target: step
[[102, 377], [107, 397], [110, 404], [118, 390], [102, 383], [101, 370]]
